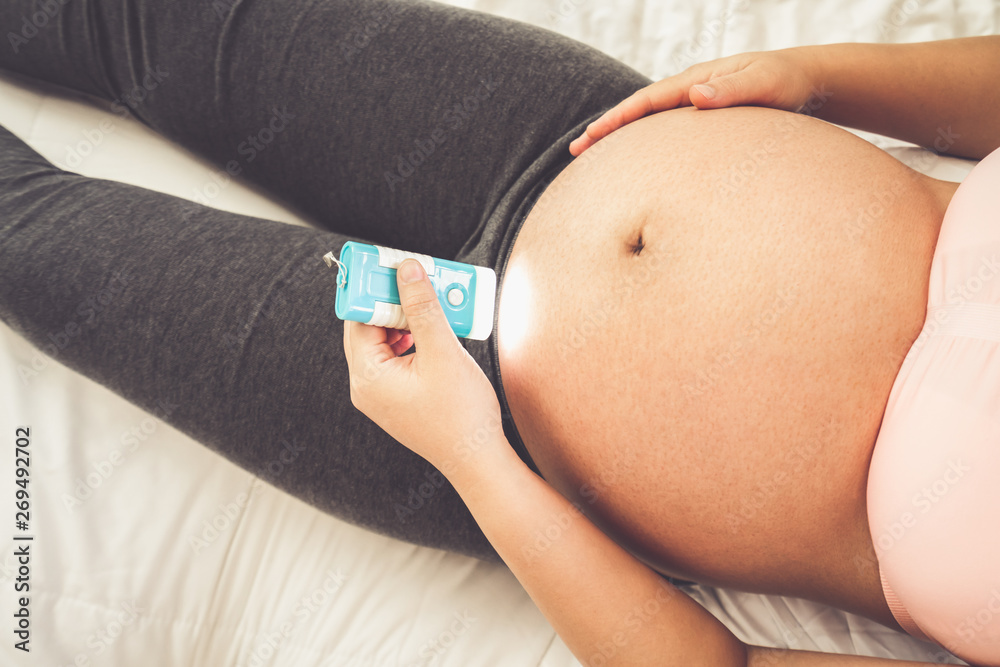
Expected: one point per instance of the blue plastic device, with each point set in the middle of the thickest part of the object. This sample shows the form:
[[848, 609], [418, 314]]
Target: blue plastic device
[[367, 293]]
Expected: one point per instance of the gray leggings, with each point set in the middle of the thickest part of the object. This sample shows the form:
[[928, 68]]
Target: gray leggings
[[405, 123]]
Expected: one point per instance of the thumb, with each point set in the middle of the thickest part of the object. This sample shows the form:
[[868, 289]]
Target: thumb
[[431, 332], [738, 88]]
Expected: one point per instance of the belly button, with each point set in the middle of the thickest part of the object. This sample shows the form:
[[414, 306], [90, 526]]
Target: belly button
[[635, 247]]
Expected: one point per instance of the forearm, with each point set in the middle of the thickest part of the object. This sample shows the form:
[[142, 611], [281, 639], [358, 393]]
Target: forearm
[[942, 95], [604, 603], [774, 657]]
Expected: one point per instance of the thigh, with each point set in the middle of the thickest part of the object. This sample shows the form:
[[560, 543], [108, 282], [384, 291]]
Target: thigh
[[401, 122], [222, 325]]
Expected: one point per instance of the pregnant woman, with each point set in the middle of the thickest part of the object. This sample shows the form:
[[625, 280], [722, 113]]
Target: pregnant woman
[[701, 320]]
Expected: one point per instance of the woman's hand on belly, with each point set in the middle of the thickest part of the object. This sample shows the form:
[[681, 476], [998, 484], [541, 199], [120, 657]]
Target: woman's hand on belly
[[783, 79], [905, 91]]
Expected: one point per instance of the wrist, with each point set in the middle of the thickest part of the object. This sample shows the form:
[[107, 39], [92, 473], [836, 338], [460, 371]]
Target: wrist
[[817, 63], [472, 463]]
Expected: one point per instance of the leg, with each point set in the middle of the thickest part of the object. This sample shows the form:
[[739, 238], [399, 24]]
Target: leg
[[404, 123], [223, 321], [254, 324]]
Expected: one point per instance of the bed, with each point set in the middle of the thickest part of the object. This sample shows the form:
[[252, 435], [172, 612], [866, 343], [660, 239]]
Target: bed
[[150, 549]]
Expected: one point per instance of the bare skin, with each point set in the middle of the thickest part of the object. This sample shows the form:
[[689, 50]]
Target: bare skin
[[711, 395], [699, 326]]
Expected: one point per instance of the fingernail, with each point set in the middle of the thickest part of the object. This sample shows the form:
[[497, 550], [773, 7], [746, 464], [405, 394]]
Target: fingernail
[[705, 90], [411, 271]]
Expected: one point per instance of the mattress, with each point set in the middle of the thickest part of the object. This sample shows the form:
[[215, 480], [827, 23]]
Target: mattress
[[150, 549]]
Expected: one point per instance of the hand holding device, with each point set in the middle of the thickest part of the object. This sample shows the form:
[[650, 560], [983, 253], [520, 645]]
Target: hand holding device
[[367, 292], [436, 401]]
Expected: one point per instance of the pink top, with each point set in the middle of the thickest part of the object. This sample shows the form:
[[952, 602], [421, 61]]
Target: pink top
[[934, 482]]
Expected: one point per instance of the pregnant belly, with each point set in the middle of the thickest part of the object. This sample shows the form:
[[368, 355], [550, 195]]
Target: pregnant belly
[[699, 328]]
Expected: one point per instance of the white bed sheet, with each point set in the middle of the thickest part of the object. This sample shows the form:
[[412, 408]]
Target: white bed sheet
[[164, 561]]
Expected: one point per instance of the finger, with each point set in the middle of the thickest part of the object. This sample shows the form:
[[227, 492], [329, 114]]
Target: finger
[[349, 344], [393, 335], [579, 145], [667, 94], [428, 324], [748, 86], [631, 108], [365, 345], [635, 106], [402, 344]]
